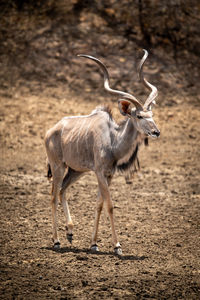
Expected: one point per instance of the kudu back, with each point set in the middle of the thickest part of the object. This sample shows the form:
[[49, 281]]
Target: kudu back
[[95, 142]]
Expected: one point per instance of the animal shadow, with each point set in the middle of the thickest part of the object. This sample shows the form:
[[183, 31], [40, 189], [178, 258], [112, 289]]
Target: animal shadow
[[79, 251]]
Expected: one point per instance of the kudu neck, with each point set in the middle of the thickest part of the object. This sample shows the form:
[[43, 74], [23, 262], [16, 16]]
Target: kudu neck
[[124, 139]]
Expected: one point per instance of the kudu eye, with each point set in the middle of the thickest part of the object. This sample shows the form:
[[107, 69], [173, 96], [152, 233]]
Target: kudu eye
[[139, 117]]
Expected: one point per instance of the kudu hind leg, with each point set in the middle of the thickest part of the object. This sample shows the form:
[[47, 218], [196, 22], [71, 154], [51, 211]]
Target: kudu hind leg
[[58, 174], [69, 178]]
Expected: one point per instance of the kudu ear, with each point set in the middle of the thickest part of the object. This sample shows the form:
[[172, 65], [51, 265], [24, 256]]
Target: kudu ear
[[124, 107]]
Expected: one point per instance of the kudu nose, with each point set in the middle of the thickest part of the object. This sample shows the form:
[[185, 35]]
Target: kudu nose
[[156, 132]]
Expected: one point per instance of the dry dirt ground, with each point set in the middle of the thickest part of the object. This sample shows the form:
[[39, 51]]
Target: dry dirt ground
[[157, 216]]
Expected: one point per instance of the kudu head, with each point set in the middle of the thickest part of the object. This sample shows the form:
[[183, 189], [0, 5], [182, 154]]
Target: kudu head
[[141, 114]]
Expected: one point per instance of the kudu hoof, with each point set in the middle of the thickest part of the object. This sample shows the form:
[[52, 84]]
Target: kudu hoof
[[70, 237], [94, 248], [56, 245], [118, 251]]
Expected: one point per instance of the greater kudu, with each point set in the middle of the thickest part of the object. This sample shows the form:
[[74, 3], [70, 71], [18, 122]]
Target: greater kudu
[[95, 142]]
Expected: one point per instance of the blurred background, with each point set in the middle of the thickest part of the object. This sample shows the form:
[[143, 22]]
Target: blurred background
[[39, 41]]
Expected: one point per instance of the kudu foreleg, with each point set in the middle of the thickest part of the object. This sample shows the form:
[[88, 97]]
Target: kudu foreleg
[[99, 206], [110, 208], [105, 196]]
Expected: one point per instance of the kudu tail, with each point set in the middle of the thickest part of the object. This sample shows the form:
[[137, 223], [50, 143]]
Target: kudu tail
[[49, 173]]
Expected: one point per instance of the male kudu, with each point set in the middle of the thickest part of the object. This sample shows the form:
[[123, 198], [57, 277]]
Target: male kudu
[[95, 142]]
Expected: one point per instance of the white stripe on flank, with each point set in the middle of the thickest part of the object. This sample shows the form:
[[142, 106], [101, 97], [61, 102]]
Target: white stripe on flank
[[78, 135], [91, 122], [74, 135]]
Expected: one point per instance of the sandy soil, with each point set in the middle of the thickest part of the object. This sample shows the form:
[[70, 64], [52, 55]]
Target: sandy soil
[[157, 216]]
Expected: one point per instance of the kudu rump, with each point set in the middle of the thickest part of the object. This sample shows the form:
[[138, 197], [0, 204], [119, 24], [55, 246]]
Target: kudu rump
[[95, 142]]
